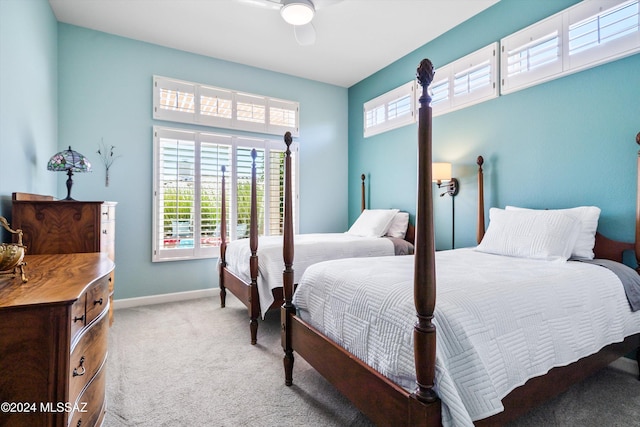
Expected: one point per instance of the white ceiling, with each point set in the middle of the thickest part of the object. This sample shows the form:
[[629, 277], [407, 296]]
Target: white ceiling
[[355, 38]]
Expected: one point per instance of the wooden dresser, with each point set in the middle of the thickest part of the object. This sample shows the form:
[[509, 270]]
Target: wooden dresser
[[53, 341], [65, 226]]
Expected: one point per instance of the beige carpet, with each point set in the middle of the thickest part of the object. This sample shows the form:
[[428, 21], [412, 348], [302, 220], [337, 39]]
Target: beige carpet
[[190, 364]]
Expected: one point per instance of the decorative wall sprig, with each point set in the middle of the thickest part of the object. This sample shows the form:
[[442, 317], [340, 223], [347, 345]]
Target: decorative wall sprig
[[107, 157]]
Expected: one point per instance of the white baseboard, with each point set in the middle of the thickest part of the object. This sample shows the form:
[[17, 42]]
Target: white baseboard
[[163, 298], [625, 364]]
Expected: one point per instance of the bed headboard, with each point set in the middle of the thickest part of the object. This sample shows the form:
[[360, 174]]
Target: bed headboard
[[612, 249]]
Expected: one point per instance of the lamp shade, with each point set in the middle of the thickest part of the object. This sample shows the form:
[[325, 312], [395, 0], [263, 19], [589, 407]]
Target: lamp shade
[[69, 161], [440, 172], [297, 12]]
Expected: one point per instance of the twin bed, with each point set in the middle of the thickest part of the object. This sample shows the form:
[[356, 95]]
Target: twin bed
[[252, 268], [515, 323]]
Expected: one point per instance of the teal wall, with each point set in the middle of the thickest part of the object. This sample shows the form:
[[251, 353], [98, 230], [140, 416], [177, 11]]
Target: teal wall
[[564, 143], [102, 89], [559, 144], [28, 99]]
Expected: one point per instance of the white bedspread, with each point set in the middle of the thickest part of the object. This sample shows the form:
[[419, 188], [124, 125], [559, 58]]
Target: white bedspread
[[309, 249], [500, 320]]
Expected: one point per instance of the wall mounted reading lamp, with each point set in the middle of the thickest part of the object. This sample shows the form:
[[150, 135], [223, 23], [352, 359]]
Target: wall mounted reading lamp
[[441, 175], [441, 172]]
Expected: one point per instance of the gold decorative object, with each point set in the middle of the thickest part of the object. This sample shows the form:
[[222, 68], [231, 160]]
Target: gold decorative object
[[12, 254]]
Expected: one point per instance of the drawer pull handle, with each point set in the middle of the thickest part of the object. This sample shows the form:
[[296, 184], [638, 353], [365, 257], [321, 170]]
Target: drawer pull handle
[[75, 318], [77, 373], [98, 301]]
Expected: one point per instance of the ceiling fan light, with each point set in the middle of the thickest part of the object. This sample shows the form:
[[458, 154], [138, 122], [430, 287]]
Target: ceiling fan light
[[297, 12]]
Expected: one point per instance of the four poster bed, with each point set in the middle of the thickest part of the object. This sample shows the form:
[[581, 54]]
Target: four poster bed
[[494, 359], [252, 268]]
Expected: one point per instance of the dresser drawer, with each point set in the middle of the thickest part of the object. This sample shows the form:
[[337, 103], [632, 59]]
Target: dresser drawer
[[88, 356], [108, 212], [91, 404], [97, 298]]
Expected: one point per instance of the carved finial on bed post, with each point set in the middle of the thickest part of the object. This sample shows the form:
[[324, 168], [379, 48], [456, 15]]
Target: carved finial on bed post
[[287, 309], [425, 75], [480, 225], [637, 242], [223, 239], [424, 333]]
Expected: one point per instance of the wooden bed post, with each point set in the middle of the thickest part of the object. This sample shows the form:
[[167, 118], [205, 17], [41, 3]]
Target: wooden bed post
[[480, 224], [637, 241], [424, 333], [223, 241], [288, 309], [254, 309], [363, 199]]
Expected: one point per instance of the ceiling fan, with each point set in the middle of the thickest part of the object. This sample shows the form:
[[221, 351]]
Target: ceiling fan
[[298, 13]]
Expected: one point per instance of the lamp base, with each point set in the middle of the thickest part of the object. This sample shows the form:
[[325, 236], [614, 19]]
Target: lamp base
[[69, 185]]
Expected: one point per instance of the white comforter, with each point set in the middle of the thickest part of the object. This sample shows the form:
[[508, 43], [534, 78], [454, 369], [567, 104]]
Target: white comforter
[[500, 320], [309, 249]]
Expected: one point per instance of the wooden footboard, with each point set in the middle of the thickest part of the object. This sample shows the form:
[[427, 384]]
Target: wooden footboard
[[382, 401]]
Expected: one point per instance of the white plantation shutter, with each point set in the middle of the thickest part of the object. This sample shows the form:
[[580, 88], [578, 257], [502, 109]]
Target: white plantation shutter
[[215, 152], [216, 106], [439, 92], [585, 35], [187, 102], [391, 110], [532, 55], [187, 190], [174, 100], [474, 77], [175, 178], [274, 191], [599, 31], [243, 188], [251, 112], [283, 116], [465, 81]]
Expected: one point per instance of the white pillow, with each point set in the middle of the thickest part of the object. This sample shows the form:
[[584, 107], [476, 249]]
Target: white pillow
[[588, 217], [373, 222], [544, 235], [399, 224]]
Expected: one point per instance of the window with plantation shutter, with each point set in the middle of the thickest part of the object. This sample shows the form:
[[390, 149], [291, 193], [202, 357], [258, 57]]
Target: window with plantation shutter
[[187, 190], [187, 102], [216, 107], [531, 55], [585, 35], [391, 110], [599, 31], [465, 81]]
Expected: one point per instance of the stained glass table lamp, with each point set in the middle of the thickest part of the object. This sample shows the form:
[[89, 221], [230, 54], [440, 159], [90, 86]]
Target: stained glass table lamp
[[69, 161]]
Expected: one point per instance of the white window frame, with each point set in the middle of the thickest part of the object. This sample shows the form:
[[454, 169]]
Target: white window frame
[[383, 107], [265, 124], [567, 62], [198, 251], [445, 97]]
